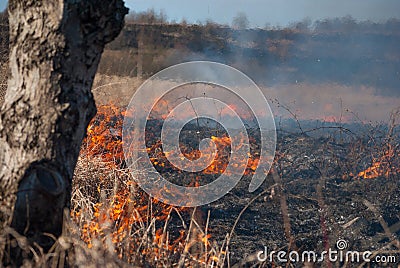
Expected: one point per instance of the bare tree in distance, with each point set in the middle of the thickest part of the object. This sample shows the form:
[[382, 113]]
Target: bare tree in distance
[[240, 21], [55, 48]]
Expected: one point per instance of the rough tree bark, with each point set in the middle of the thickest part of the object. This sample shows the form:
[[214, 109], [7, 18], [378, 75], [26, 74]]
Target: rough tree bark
[[55, 47], [3, 54]]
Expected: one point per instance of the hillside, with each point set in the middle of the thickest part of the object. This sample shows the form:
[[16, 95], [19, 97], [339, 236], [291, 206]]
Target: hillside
[[339, 51]]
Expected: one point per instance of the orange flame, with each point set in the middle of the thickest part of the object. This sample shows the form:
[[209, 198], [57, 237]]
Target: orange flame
[[118, 217], [382, 166], [104, 135]]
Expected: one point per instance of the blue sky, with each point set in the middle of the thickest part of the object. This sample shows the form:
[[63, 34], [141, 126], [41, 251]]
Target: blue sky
[[274, 12], [260, 12]]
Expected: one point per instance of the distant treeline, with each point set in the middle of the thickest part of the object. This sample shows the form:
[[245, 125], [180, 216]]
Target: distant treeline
[[338, 50], [343, 24]]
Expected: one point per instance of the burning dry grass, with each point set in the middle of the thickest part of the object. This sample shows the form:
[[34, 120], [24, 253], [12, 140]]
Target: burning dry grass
[[111, 215], [109, 211], [112, 223], [130, 228]]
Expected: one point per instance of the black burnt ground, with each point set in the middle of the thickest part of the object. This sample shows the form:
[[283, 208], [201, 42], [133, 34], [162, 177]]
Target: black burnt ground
[[323, 204], [316, 193]]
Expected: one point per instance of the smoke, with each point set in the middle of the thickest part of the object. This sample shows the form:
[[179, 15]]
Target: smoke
[[328, 69], [341, 70], [331, 102]]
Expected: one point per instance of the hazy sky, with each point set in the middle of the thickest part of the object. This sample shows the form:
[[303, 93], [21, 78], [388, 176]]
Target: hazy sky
[[260, 12]]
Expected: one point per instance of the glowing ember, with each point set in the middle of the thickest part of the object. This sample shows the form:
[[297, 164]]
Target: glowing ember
[[382, 166]]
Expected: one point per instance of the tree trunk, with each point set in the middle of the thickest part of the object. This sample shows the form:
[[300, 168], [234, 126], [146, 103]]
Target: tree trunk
[[3, 54], [55, 47]]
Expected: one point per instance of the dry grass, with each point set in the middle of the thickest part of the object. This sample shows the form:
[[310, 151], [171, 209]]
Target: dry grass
[[116, 89]]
